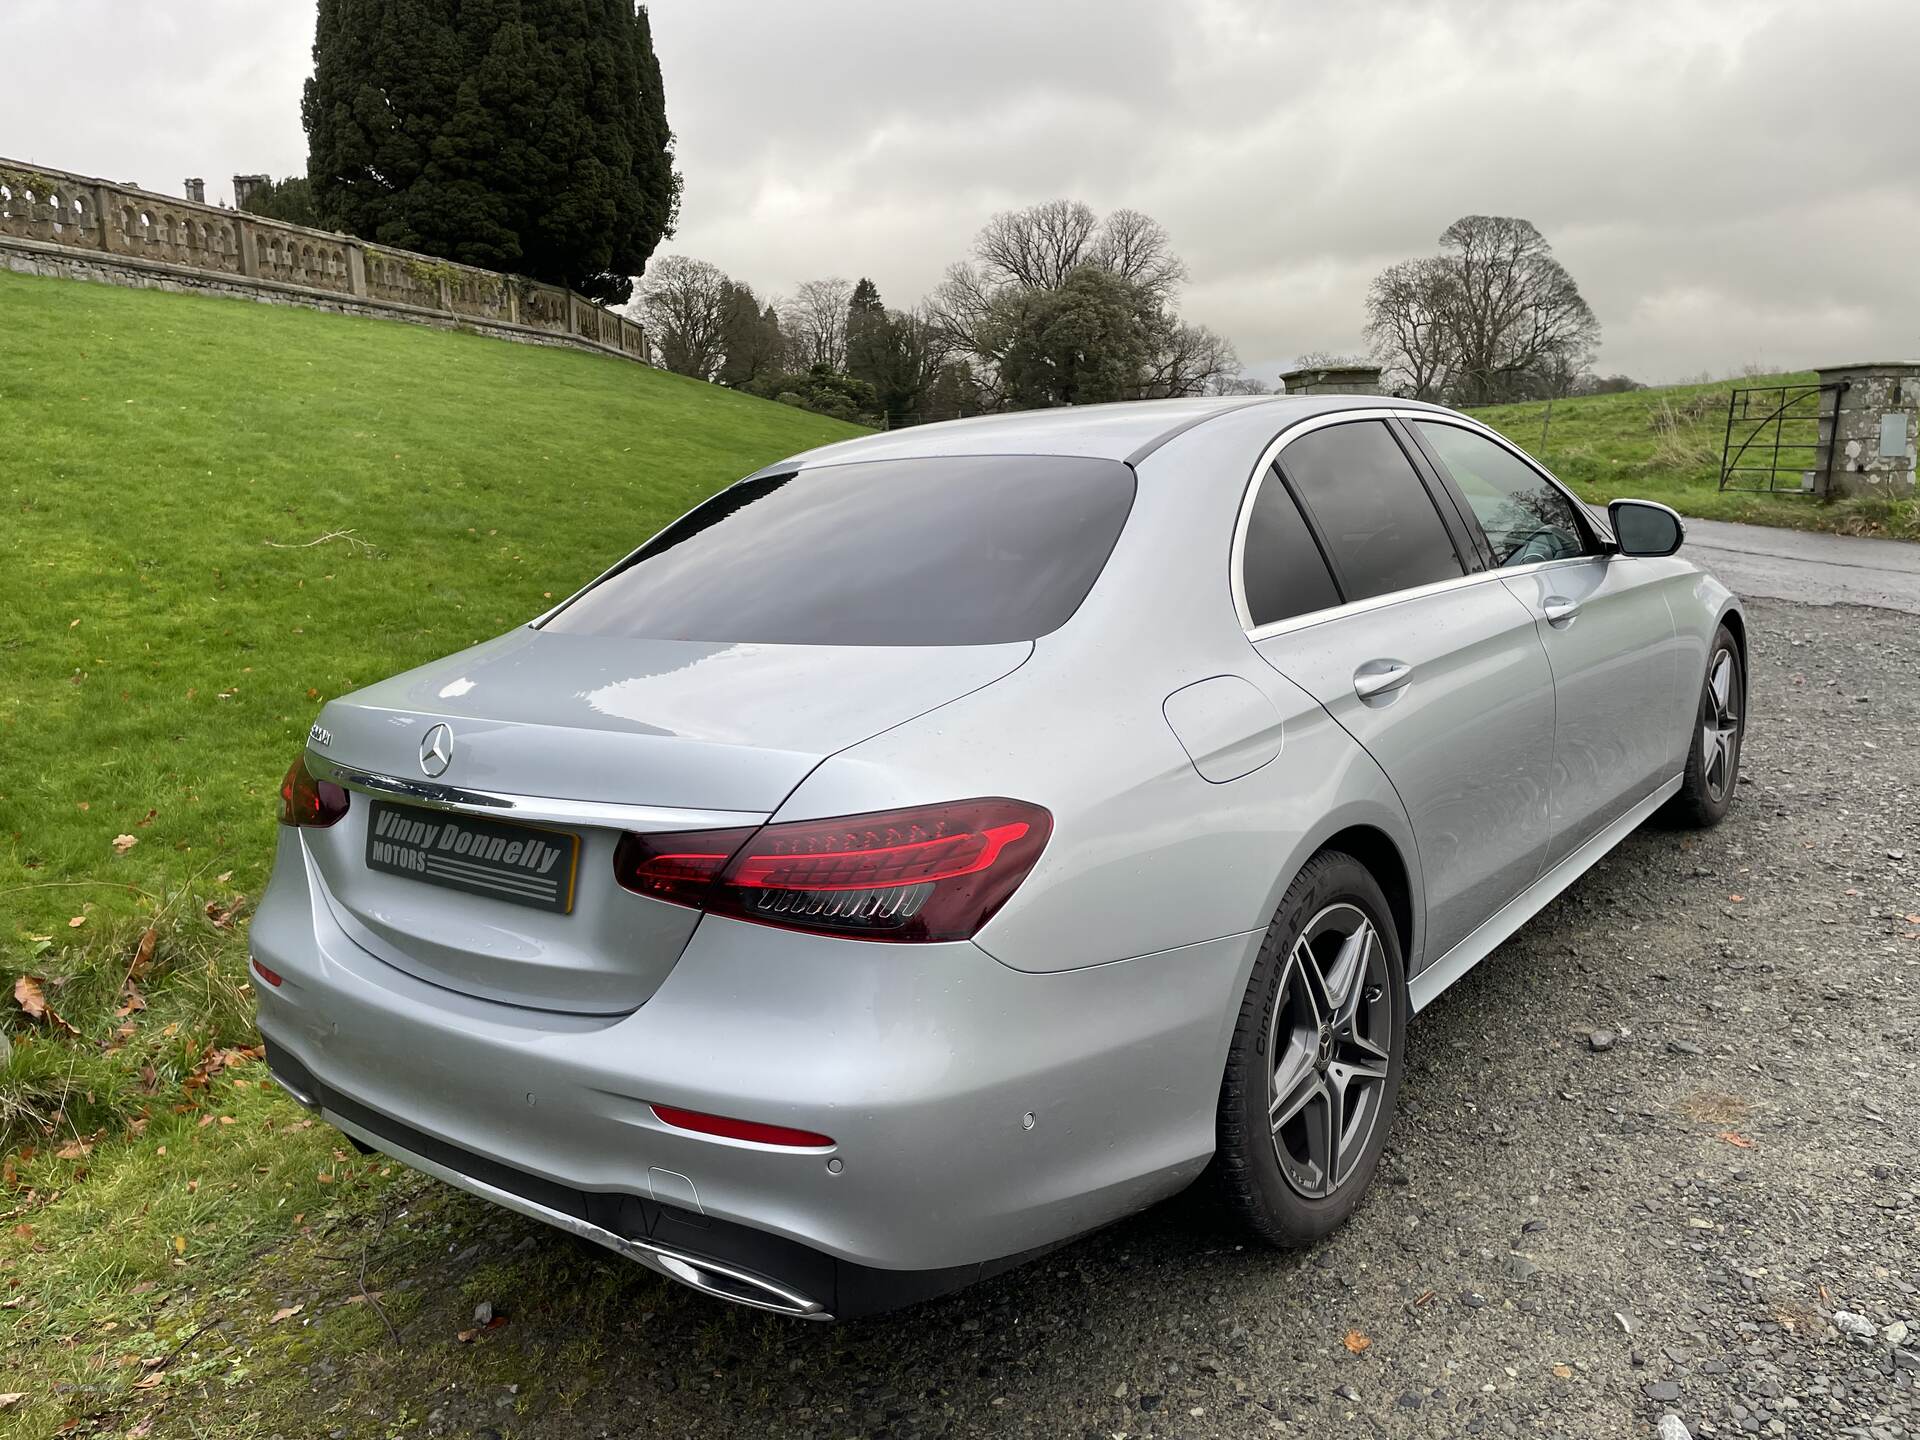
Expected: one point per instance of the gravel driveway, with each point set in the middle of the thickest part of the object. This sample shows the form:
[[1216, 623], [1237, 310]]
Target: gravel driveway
[[1656, 1157]]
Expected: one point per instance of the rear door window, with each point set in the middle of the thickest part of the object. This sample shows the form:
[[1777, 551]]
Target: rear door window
[[1283, 573], [956, 550], [1372, 511], [1526, 517]]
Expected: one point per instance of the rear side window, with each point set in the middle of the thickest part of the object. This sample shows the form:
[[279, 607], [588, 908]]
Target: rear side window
[[1372, 510], [961, 550], [1526, 518], [1283, 572]]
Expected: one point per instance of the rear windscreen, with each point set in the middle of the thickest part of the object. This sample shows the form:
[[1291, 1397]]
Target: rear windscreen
[[955, 550]]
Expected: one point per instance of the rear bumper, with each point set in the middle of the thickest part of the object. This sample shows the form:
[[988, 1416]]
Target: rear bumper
[[923, 1063]]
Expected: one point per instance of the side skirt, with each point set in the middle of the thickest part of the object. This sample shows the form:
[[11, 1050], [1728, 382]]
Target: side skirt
[[1427, 986]]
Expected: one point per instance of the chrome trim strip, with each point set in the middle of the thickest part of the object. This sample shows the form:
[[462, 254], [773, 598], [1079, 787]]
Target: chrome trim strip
[[1396, 597], [1262, 472], [531, 809], [706, 1276], [1427, 986]]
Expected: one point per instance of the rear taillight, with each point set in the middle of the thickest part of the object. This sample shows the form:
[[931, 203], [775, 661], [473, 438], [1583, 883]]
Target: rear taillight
[[307, 801], [935, 872]]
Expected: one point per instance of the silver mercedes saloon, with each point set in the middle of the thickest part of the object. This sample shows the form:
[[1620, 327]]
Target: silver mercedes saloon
[[943, 843]]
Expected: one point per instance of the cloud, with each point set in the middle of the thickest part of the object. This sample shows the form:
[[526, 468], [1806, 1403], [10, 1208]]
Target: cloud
[[1731, 184]]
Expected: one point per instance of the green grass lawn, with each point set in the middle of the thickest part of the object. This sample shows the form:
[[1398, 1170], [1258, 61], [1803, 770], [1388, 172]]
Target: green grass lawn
[[1665, 445], [218, 514]]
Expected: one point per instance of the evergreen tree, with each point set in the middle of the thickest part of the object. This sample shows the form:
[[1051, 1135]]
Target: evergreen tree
[[522, 135], [290, 200]]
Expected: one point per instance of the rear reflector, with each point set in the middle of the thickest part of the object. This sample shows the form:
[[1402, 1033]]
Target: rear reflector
[[741, 1129], [935, 872], [272, 977], [307, 801]]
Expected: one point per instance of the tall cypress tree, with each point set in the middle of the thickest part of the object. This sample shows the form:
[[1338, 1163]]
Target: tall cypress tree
[[523, 135]]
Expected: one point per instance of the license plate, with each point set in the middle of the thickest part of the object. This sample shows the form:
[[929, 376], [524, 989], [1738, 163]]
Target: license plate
[[516, 863]]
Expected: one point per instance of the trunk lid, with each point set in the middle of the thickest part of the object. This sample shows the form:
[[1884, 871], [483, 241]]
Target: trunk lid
[[692, 734]]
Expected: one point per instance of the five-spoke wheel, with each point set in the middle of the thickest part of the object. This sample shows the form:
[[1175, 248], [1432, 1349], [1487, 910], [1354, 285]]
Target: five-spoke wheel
[[1314, 1067], [1330, 1044], [1713, 756]]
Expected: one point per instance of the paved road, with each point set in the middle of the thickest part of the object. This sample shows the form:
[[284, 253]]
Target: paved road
[[1762, 561]]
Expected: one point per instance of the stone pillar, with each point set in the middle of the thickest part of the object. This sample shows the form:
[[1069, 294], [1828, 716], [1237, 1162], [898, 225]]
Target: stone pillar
[[197, 190], [357, 268], [1870, 422], [1333, 380], [102, 201], [245, 185], [249, 245]]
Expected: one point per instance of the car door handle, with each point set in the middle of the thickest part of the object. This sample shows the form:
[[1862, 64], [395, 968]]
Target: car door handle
[[1379, 677], [1561, 612]]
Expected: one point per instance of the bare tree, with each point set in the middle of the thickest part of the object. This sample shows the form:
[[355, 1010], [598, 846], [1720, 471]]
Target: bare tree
[[1409, 310], [1137, 247], [816, 322], [682, 304], [1187, 360], [1038, 247], [1514, 312]]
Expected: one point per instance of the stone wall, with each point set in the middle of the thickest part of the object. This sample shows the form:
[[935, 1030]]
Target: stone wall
[[1872, 424], [76, 227]]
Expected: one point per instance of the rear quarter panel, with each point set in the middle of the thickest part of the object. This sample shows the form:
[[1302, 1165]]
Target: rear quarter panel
[[1146, 854]]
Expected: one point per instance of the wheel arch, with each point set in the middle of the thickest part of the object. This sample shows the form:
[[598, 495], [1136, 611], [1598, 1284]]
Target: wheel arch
[[1736, 622], [1376, 850]]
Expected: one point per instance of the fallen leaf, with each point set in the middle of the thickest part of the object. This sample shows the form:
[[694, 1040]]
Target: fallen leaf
[[143, 954], [223, 877], [149, 1381], [285, 1312], [124, 843], [134, 1001], [146, 820], [76, 922], [179, 1244], [23, 1232], [142, 1430], [13, 1398], [1736, 899], [1356, 1342], [1565, 1372], [75, 1150], [30, 997], [1736, 1140]]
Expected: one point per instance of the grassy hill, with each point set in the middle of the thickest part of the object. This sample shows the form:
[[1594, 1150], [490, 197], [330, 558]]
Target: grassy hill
[[217, 514], [1664, 445]]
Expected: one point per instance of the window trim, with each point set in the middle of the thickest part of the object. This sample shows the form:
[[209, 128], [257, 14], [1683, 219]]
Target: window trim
[[1341, 581], [1592, 543], [1265, 468]]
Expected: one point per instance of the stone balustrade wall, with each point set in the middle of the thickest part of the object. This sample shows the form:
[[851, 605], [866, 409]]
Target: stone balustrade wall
[[56, 223]]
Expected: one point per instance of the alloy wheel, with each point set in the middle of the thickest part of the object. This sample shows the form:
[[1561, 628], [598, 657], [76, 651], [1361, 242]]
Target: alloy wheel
[[1329, 1042], [1720, 728]]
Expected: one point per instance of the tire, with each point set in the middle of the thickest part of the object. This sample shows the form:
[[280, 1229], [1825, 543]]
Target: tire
[[1719, 728], [1308, 965]]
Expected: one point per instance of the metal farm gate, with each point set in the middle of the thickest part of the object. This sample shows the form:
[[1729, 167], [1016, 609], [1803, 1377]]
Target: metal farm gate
[[1780, 439]]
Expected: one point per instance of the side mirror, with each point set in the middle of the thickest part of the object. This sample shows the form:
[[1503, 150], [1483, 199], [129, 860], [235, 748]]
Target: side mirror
[[1643, 528]]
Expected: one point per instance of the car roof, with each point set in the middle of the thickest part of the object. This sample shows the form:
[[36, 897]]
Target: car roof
[[1127, 430]]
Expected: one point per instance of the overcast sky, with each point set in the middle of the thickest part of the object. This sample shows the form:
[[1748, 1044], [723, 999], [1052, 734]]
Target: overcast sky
[[1730, 184]]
